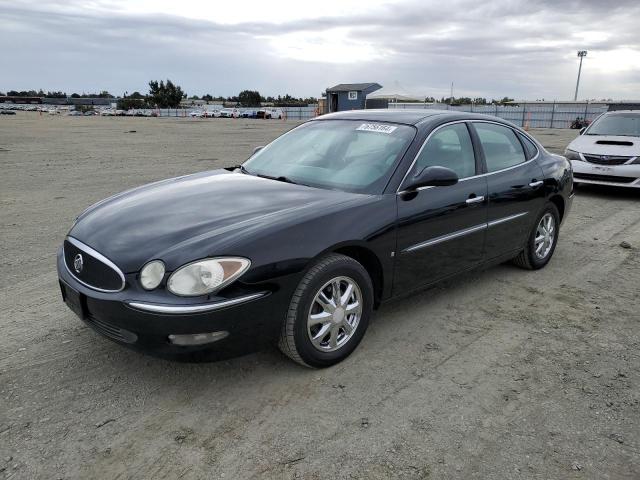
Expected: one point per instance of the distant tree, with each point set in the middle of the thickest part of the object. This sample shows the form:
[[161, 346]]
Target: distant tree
[[75, 95], [129, 103], [2, 94], [505, 100], [25, 93], [480, 101], [104, 94], [136, 95], [249, 98], [165, 95], [194, 97], [56, 95], [207, 98]]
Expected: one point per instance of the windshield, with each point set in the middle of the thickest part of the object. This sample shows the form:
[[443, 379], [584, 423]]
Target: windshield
[[624, 124], [356, 156]]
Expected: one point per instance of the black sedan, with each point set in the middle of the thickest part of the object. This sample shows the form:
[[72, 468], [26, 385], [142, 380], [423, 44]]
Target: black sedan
[[302, 242]]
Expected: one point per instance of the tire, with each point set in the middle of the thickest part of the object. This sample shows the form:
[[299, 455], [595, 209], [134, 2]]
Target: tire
[[529, 258], [337, 343]]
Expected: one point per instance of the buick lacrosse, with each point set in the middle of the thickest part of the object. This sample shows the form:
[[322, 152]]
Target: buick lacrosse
[[299, 244]]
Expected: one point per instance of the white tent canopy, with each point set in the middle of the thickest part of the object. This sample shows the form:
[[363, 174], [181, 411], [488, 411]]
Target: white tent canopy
[[396, 93]]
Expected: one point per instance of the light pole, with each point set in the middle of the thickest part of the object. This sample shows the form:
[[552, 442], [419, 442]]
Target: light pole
[[581, 55]]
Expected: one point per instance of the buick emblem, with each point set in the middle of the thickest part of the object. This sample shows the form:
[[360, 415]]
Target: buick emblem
[[78, 263]]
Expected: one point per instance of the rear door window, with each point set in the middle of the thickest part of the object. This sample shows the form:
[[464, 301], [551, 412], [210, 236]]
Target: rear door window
[[501, 146], [529, 147]]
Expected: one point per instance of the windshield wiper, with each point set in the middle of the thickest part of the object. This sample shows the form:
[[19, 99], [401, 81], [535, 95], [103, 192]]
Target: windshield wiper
[[241, 168], [280, 178]]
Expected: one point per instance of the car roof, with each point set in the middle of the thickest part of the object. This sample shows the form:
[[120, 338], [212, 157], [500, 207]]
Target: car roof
[[408, 116], [625, 112]]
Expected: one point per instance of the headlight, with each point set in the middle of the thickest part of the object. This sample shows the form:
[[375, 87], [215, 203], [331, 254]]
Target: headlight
[[151, 274], [206, 276], [572, 155]]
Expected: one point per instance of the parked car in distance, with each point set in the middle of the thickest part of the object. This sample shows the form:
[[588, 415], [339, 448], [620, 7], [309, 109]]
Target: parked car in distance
[[270, 113], [607, 152], [74, 113], [249, 113], [298, 245], [214, 113], [53, 111], [229, 113], [196, 114], [7, 112]]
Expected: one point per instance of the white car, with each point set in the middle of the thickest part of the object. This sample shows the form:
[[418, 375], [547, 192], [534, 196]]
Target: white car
[[230, 113], [270, 113], [196, 114], [607, 152]]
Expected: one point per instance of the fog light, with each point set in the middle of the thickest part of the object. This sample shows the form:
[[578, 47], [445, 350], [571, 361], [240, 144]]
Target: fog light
[[197, 338]]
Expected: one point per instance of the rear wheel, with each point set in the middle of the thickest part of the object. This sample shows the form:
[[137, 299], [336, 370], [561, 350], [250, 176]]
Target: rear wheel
[[329, 312], [542, 240]]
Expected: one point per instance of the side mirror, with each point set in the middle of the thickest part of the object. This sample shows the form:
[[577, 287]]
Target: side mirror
[[582, 130], [432, 177], [257, 149]]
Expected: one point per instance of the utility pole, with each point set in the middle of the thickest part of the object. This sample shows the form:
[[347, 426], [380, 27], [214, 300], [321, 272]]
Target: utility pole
[[581, 55]]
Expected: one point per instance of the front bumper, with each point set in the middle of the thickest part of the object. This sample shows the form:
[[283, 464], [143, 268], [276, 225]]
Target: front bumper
[[246, 321], [614, 175]]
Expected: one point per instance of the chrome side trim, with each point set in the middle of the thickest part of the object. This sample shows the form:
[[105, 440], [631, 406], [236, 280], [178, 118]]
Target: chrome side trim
[[183, 309], [506, 219], [444, 238], [460, 233], [98, 256]]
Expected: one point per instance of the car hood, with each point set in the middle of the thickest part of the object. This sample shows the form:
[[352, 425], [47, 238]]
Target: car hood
[[215, 208], [606, 145]]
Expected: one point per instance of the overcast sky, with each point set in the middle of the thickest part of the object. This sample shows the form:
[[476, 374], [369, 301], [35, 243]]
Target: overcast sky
[[525, 49]]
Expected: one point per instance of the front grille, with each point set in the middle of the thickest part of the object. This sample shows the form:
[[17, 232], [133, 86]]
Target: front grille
[[603, 178], [606, 159], [96, 271], [109, 330]]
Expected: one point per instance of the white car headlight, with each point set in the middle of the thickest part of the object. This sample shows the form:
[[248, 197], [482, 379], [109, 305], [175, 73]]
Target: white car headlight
[[571, 155], [152, 274], [206, 276]]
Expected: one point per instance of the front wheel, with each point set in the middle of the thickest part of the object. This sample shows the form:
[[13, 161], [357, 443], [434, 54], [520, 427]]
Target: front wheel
[[329, 312], [542, 240]]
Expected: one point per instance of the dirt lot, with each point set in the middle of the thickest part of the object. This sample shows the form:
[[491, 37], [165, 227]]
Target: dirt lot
[[500, 374]]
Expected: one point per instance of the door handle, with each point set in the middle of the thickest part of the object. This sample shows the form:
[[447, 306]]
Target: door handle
[[535, 183], [473, 200]]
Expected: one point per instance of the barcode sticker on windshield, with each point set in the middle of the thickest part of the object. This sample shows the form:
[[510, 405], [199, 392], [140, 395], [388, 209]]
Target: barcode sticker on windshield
[[376, 127]]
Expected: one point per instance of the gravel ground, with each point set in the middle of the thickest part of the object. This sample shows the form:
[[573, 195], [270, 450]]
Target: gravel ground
[[502, 373]]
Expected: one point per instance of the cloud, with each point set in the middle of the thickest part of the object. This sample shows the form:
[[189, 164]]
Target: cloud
[[519, 48]]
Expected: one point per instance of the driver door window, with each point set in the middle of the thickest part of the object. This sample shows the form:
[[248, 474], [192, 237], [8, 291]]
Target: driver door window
[[449, 147]]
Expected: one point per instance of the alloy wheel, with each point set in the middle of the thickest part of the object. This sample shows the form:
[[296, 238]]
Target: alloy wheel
[[334, 314], [545, 235]]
